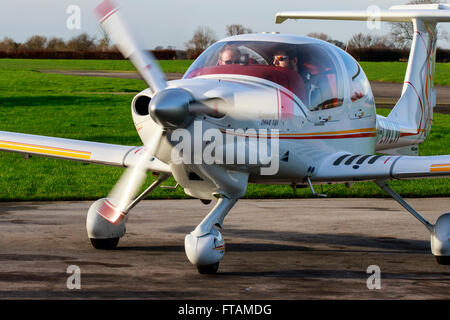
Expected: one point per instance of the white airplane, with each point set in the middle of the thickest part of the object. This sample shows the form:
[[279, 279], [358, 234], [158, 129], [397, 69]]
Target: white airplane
[[276, 109]]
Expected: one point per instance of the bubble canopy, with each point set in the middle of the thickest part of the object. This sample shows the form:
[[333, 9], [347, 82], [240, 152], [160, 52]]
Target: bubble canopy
[[309, 69]]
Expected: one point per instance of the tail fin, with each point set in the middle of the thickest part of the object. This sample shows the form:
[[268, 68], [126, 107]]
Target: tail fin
[[410, 121], [414, 110]]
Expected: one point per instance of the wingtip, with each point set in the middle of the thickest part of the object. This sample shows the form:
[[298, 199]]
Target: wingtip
[[280, 18]]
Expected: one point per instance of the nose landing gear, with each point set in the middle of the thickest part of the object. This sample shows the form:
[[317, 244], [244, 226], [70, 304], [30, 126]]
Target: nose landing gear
[[205, 246]]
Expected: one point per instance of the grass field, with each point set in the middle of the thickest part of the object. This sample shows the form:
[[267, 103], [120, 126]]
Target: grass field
[[74, 107], [375, 71], [395, 72]]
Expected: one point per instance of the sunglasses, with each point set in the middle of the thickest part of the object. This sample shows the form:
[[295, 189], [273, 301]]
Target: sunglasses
[[281, 58], [231, 61]]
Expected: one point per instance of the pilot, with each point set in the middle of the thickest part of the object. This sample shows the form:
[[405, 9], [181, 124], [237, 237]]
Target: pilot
[[229, 55], [285, 59]]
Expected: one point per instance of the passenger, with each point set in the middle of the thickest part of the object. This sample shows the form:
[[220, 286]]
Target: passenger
[[285, 59], [229, 55], [288, 60]]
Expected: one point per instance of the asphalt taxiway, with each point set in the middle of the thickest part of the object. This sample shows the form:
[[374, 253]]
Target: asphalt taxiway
[[276, 249]]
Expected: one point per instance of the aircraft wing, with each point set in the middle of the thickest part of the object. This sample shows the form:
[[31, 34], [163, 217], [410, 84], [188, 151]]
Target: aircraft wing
[[399, 13], [351, 167], [78, 150]]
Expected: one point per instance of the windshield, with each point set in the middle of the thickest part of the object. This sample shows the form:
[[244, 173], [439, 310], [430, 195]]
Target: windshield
[[307, 70]]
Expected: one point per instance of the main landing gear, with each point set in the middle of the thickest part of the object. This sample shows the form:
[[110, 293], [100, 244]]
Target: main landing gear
[[440, 231], [103, 234]]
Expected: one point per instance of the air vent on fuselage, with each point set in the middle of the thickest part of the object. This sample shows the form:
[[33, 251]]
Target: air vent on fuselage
[[194, 177], [351, 158]]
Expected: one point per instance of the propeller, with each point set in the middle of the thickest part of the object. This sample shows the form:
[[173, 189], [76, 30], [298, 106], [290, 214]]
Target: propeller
[[115, 207], [170, 108]]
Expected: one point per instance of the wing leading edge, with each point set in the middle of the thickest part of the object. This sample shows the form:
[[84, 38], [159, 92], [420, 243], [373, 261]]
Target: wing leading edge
[[349, 167], [400, 13], [77, 150]]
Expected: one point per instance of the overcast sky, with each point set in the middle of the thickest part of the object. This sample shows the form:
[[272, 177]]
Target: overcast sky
[[173, 22]]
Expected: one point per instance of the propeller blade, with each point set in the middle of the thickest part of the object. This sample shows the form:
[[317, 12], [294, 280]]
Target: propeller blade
[[144, 61], [115, 207]]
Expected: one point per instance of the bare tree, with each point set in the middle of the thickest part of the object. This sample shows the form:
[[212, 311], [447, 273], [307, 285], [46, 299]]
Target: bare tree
[[236, 29], [104, 44], [361, 40], [56, 44], [83, 42], [402, 32], [202, 39], [35, 43], [8, 45], [338, 43], [319, 35], [325, 37]]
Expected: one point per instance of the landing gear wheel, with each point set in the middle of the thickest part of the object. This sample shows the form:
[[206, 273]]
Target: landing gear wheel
[[105, 244], [208, 269], [205, 201], [443, 260]]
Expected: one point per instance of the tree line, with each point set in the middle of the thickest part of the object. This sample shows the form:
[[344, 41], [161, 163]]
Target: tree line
[[83, 42], [86, 46], [363, 46]]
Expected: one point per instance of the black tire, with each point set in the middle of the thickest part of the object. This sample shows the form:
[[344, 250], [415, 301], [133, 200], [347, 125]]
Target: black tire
[[443, 260], [208, 269], [105, 244], [205, 201]]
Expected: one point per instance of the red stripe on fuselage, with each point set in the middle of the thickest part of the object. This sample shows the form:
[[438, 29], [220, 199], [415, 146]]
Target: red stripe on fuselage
[[344, 136], [337, 136]]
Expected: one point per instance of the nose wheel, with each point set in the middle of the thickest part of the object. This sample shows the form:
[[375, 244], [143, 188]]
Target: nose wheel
[[105, 244], [205, 252], [209, 269], [445, 260], [205, 246]]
